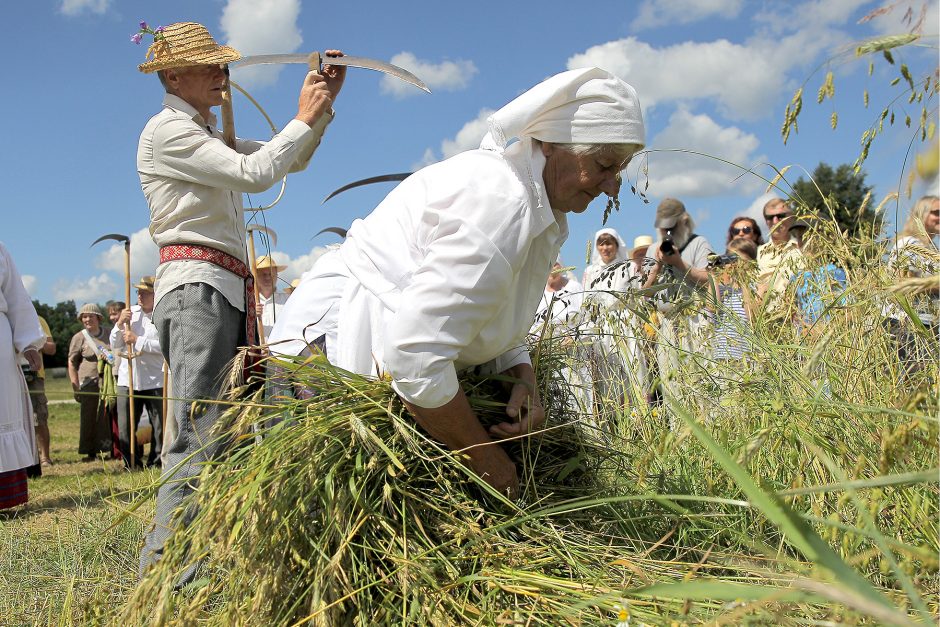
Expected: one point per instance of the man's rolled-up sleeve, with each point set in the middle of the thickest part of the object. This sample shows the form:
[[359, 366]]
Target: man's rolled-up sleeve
[[460, 285]]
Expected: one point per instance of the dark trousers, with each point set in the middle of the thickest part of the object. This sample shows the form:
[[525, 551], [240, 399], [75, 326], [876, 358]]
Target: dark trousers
[[200, 333], [153, 401]]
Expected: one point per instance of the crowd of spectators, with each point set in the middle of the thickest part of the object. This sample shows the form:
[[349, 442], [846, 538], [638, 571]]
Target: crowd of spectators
[[644, 309]]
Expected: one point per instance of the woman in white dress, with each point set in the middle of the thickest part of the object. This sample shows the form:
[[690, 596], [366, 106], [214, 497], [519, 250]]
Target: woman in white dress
[[446, 273], [19, 333]]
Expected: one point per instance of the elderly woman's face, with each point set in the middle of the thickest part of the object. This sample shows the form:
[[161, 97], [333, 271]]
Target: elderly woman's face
[[573, 181]]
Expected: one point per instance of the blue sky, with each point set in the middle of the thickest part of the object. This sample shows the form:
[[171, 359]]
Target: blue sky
[[713, 76]]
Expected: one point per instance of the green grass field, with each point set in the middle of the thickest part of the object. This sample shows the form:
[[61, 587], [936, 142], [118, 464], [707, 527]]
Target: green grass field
[[60, 554]]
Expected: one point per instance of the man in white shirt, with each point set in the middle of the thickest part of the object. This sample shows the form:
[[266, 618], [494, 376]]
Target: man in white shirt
[[270, 300], [135, 336], [193, 183], [777, 260]]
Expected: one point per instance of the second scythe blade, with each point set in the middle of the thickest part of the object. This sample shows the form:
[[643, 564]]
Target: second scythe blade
[[363, 62]]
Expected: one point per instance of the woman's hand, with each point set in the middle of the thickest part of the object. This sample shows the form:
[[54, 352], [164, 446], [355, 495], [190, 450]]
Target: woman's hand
[[455, 424], [524, 406]]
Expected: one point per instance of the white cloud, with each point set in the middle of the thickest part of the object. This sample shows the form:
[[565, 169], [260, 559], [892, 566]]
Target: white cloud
[[97, 289], [443, 76], [261, 27], [468, 137], [745, 82], [29, 282], [681, 174], [656, 13], [298, 265], [145, 256], [77, 7], [896, 20], [745, 79]]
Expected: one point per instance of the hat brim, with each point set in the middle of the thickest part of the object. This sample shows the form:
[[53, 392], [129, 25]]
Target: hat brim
[[666, 223], [143, 287], [219, 54]]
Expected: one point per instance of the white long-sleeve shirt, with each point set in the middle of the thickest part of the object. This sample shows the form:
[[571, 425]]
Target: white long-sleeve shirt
[[194, 183], [272, 307], [446, 273], [148, 359]]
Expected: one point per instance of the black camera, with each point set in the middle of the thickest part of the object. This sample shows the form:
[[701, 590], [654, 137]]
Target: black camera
[[28, 374], [668, 247], [717, 261]]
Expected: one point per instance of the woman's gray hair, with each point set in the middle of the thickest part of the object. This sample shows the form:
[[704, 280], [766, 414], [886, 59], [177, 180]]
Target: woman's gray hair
[[626, 150]]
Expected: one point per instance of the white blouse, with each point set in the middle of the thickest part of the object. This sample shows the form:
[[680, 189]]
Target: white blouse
[[446, 273]]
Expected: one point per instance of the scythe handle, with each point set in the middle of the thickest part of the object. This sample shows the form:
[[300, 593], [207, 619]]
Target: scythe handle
[[228, 116]]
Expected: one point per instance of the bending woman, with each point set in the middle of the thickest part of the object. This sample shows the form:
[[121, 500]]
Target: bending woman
[[446, 273]]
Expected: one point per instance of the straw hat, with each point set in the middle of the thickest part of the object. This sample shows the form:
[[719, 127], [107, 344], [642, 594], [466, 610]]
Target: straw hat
[[90, 308], [186, 44], [146, 284], [293, 286], [265, 261], [641, 241]]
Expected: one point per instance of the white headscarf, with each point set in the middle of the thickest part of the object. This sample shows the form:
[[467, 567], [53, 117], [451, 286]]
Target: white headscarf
[[585, 106], [623, 253]]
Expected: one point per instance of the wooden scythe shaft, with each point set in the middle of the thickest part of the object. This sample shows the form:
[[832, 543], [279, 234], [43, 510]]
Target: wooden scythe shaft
[[254, 273], [130, 354], [228, 116]]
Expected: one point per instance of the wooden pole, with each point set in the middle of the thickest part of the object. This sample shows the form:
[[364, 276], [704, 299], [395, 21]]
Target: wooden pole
[[130, 353], [254, 274]]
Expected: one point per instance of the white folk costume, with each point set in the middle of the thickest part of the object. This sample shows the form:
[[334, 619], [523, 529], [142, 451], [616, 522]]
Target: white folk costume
[[19, 330], [447, 272]]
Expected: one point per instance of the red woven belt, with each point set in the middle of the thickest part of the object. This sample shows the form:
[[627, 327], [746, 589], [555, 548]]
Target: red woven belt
[[195, 252]]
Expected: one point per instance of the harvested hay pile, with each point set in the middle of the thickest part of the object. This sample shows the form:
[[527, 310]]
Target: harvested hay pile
[[344, 513]]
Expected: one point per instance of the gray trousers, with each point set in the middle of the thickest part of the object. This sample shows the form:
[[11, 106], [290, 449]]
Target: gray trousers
[[200, 332]]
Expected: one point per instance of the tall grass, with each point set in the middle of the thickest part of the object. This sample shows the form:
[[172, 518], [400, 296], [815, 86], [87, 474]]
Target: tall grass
[[797, 487]]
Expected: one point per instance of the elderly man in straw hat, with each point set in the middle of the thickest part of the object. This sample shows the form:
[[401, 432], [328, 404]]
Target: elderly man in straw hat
[[194, 183], [269, 299], [447, 272], [134, 333]]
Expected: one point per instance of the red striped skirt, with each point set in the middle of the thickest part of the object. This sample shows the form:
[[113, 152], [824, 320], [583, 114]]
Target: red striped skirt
[[13, 489]]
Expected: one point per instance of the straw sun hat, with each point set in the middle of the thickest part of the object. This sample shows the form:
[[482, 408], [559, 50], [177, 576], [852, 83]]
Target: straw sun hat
[[186, 44], [146, 284], [265, 261]]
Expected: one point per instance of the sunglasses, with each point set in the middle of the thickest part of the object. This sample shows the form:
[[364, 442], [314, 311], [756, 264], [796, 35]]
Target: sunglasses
[[746, 230], [776, 216]]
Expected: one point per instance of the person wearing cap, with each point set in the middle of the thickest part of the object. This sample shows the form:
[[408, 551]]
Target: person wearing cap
[[447, 272], [86, 349], [20, 334], [193, 183], [681, 269], [778, 260], [270, 300], [135, 336]]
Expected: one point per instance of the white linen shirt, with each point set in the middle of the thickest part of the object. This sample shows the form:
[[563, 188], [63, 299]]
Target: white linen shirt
[[272, 308], [193, 183], [148, 359], [446, 273]]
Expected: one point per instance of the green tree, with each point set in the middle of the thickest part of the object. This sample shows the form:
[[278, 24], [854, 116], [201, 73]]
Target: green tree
[[63, 322], [841, 195]]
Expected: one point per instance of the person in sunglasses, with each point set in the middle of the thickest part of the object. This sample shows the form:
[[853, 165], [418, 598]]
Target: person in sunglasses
[[777, 260], [743, 227]]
